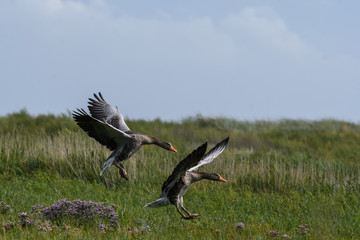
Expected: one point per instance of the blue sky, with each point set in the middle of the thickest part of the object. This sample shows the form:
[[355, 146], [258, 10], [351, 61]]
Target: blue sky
[[250, 60]]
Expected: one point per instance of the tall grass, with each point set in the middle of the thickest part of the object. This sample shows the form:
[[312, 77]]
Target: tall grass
[[281, 174], [74, 155]]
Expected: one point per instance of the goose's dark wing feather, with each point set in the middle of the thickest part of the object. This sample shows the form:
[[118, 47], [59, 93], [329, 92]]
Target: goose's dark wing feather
[[102, 132], [103, 111], [212, 154], [191, 160]]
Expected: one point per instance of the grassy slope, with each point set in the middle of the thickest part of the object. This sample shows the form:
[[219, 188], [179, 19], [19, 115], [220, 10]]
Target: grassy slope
[[282, 174]]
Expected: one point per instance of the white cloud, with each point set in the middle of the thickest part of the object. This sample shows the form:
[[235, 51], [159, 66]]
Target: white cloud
[[263, 26], [250, 64], [78, 25], [52, 7]]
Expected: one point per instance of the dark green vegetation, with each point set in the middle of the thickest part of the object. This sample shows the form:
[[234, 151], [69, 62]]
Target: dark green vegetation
[[281, 175]]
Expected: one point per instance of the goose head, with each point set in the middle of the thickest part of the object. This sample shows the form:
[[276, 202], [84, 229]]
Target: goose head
[[169, 147], [214, 177]]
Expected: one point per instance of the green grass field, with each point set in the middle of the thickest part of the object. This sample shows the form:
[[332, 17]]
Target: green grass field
[[281, 175]]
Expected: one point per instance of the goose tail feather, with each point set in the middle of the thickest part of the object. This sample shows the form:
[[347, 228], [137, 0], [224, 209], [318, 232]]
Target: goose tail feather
[[160, 202]]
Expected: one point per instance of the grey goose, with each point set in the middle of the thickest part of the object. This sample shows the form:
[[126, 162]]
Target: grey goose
[[183, 176], [107, 126]]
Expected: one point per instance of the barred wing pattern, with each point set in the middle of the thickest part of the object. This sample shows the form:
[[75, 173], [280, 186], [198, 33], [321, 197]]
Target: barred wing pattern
[[212, 154], [103, 111], [191, 160], [102, 132]]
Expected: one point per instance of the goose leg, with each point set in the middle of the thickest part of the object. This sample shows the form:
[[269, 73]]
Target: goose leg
[[122, 170], [191, 215], [182, 206], [182, 215]]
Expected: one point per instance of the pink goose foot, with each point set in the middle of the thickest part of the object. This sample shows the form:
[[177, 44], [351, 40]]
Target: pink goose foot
[[123, 173], [192, 216], [195, 215]]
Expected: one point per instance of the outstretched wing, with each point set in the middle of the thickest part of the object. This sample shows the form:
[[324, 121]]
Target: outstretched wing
[[103, 111], [212, 154], [191, 160], [102, 132]]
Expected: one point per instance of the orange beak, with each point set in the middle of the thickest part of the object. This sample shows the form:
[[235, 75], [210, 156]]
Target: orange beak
[[222, 179], [173, 149]]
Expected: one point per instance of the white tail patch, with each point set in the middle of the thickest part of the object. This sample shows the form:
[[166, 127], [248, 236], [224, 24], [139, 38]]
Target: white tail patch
[[160, 202], [111, 159], [107, 164]]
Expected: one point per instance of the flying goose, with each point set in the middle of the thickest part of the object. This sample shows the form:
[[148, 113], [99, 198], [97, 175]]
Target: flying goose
[[107, 126], [183, 176]]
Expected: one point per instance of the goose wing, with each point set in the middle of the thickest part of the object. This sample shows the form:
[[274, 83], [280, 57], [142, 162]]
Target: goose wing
[[212, 154], [103, 111], [191, 160], [102, 132]]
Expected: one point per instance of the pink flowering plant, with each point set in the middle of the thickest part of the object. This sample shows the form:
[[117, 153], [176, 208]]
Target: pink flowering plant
[[65, 213], [81, 212]]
